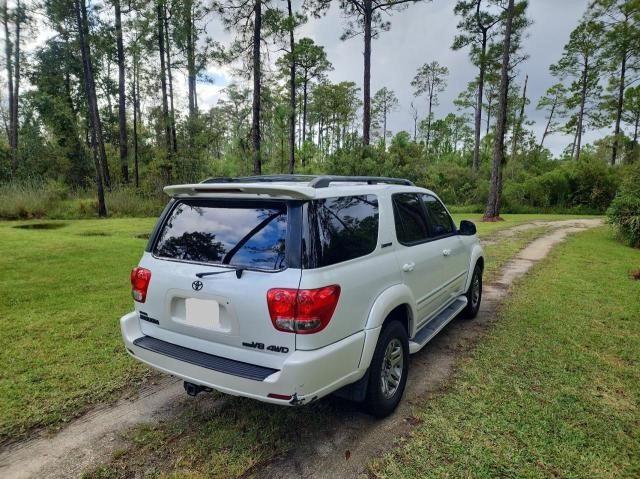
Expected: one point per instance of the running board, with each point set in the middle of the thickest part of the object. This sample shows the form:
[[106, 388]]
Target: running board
[[434, 326]]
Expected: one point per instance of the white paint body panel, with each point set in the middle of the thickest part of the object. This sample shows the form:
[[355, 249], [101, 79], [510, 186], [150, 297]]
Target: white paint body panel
[[315, 364]]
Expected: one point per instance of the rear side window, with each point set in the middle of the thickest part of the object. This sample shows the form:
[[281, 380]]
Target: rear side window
[[247, 234], [439, 220], [340, 229], [411, 224]]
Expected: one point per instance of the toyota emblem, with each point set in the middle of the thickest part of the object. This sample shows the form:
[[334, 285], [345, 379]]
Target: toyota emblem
[[197, 285]]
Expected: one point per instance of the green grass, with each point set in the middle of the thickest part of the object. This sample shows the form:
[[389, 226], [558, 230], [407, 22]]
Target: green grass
[[554, 389], [63, 291]]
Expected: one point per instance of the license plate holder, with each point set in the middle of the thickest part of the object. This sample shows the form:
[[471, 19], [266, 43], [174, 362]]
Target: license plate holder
[[202, 313]]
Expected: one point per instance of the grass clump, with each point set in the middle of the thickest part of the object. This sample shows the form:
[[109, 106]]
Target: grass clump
[[33, 199], [30, 199]]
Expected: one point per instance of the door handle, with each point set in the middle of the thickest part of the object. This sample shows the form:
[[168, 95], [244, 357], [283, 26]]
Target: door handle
[[446, 252], [408, 267]]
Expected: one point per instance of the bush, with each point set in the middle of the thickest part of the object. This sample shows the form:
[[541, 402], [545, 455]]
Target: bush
[[594, 184], [624, 212]]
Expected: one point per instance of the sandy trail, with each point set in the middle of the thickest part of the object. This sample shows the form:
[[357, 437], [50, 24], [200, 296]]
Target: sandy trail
[[342, 450]]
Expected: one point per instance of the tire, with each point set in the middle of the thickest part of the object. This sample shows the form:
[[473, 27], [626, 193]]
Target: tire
[[382, 395], [473, 294]]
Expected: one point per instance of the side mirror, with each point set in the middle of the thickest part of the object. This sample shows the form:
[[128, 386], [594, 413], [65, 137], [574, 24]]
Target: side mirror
[[467, 228]]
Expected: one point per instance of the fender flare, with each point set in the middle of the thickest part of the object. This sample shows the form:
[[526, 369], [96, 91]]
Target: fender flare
[[476, 253], [387, 301]]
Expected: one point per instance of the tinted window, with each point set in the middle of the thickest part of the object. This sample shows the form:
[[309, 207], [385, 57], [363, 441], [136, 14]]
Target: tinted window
[[440, 222], [411, 225], [340, 229], [250, 234]]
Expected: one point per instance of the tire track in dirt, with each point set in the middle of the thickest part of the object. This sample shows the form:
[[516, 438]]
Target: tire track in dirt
[[341, 449]]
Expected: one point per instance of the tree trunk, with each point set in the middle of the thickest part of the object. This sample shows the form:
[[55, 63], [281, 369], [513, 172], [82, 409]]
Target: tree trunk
[[94, 116], [292, 94], [619, 106], [489, 102], [366, 104], [9, 65], [172, 112], [518, 125], [122, 97], [429, 119], [384, 128], [492, 210], [134, 94], [305, 100], [257, 77], [478, 115], [635, 131], [191, 59], [16, 85], [583, 99], [548, 125], [163, 77]]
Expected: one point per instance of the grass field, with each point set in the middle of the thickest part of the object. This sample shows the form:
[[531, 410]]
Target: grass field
[[63, 290], [554, 391]]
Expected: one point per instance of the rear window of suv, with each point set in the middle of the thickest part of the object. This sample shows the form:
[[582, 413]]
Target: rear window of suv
[[244, 234], [339, 229]]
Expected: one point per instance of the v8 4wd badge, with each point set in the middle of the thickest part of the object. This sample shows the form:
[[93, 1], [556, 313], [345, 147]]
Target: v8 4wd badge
[[260, 346]]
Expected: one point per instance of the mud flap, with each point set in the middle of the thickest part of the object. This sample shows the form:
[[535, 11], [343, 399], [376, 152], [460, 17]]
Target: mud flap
[[355, 392]]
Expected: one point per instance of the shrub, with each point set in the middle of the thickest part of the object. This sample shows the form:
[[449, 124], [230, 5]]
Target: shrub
[[593, 183], [624, 212]]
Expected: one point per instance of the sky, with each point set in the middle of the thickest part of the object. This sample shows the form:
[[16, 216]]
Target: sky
[[420, 34]]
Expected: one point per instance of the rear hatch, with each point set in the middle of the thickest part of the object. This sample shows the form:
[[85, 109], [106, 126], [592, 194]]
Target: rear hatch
[[250, 246]]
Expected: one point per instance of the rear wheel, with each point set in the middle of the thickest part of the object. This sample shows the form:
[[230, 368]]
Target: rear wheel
[[388, 370], [474, 294]]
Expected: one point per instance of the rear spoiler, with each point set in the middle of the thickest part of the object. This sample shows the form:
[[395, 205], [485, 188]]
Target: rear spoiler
[[227, 189]]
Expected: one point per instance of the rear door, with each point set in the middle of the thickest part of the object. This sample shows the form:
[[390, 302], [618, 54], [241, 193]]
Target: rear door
[[447, 241], [222, 313], [420, 259]]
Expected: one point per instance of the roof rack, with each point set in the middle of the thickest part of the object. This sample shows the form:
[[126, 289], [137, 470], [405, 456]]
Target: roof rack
[[313, 181], [261, 179], [324, 181]]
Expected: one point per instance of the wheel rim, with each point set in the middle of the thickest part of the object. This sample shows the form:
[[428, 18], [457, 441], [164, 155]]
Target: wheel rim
[[392, 365], [476, 289]]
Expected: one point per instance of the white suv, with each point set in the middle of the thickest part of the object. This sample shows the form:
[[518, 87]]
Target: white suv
[[288, 288]]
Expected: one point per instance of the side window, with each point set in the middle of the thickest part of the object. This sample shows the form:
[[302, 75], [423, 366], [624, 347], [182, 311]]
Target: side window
[[439, 220], [339, 229], [411, 225]]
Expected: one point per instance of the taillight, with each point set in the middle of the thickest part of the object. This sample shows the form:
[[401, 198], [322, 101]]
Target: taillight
[[302, 311], [140, 278]]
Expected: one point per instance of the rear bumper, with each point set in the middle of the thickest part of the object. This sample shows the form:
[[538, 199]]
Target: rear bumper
[[305, 375]]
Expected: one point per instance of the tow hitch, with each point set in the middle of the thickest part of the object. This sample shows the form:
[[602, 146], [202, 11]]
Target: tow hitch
[[194, 389]]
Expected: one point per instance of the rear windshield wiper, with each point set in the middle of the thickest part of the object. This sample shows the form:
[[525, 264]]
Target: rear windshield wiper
[[238, 272]]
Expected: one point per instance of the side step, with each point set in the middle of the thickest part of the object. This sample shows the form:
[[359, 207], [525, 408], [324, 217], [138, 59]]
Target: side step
[[434, 326]]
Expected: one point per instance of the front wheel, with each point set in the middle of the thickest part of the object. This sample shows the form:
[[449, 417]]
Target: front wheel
[[388, 370], [474, 294]]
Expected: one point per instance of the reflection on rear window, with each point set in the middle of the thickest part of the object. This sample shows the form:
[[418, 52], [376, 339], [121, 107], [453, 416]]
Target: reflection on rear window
[[251, 235]]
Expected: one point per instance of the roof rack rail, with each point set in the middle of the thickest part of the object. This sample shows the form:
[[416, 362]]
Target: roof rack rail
[[313, 181], [325, 181], [261, 179]]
